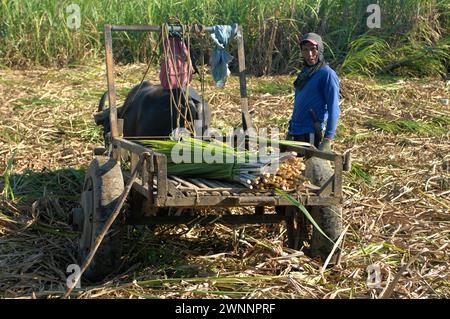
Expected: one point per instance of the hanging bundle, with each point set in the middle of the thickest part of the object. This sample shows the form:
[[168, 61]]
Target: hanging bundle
[[176, 65]]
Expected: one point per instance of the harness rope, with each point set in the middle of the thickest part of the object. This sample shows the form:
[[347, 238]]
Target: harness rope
[[173, 101], [176, 103]]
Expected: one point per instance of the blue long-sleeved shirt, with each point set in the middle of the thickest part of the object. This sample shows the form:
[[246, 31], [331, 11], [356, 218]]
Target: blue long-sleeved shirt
[[321, 94]]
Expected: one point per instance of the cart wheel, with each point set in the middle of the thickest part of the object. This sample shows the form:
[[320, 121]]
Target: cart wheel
[[329, 218], [102, 187]]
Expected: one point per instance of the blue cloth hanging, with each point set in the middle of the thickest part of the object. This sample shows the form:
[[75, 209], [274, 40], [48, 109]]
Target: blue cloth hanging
[[220, 58]]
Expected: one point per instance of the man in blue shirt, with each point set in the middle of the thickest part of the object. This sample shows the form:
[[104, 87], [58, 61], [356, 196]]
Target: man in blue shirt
[[316, 97]]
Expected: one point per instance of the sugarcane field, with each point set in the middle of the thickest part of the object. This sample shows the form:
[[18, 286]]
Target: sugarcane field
[[224, 150]]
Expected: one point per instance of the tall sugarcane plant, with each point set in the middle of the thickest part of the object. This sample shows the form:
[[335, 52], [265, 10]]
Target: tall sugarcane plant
[[37, 32]]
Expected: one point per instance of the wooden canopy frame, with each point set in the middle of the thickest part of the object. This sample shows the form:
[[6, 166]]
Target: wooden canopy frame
[[115, 130]]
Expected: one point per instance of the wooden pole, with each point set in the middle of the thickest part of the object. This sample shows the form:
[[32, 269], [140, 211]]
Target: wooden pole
[[246, 120], [110, 82]]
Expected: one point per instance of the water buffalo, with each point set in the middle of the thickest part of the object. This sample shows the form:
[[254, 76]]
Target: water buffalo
[[147, 111]]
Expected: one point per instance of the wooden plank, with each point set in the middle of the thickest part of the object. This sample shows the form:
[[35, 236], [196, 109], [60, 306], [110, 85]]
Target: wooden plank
[[338, 176], [290, 224], [152, 28], [220, 189], [210, 183], [347, 161], [205, 220], [148, 174], [120, 127], [231, 184], [161, 178], [195, 199], [310, 152], [198, 183], [235, 201], [185, 182], [226, 188], [256, 200], [132, 146]]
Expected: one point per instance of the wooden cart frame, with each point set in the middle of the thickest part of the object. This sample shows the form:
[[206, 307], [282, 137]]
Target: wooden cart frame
[[159, 192]]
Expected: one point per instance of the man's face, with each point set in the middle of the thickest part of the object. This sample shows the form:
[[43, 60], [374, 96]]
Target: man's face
[[310, 53]]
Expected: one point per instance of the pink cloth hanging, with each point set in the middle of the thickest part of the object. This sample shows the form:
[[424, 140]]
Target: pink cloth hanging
[[176, 67]]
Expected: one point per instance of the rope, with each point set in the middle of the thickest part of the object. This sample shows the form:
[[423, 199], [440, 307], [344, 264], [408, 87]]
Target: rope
[[167, 56], [165, 40], [182, 93]]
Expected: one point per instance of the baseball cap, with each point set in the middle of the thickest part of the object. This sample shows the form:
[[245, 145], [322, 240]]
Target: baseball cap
[[312, 38]]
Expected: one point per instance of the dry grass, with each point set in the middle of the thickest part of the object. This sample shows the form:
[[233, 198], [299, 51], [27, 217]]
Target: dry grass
[[397, 198]]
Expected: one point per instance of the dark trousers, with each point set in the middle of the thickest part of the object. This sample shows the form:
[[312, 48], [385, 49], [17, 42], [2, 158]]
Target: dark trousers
[[312, 138]]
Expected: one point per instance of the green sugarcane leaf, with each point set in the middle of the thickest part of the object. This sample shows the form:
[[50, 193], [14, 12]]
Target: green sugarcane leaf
[[303, 209]]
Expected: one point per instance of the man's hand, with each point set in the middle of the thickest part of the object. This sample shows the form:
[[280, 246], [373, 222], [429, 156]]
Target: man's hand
[[325, 145]]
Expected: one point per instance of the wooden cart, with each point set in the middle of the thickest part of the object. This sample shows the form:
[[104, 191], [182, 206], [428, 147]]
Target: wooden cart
[[153, 197]]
